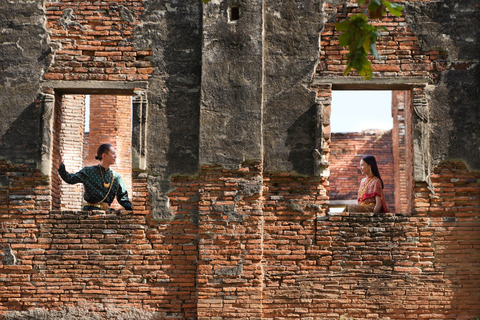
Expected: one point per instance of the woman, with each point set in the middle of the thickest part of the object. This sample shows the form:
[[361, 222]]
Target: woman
[[370, 193], [101, 183]]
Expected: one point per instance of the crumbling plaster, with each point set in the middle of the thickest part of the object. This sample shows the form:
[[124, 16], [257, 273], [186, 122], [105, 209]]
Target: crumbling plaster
[[25, 53], [454, 98]]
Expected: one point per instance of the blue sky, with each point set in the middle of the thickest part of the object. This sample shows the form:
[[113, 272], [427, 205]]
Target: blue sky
[[354, 111]]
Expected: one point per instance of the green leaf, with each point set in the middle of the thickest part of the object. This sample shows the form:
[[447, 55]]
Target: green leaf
[[361, 2], [373, 50], [393, 8], [344, 39], [344, 25], [361, 40], [374, 5], [358, 18], [367, 44]]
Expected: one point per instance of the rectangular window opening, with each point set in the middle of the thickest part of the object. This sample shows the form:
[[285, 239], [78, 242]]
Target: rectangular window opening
[[82, 123], [234, 13], [367, 122]]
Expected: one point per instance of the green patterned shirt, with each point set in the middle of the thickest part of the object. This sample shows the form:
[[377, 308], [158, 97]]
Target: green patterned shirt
[[93, 179]]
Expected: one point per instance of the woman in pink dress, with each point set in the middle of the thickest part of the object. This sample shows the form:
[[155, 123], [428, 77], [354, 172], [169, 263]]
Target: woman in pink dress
[[370, 193]]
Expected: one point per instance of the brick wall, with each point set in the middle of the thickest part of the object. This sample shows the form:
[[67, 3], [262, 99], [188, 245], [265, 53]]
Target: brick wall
[[71, 147], [96, 41], [239, 242], [240, 246], [371, 267], [401, 100], [454, 192], [346, 151], [398, 48]]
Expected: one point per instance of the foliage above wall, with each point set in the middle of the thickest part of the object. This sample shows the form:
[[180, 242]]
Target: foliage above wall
[[360, 36]]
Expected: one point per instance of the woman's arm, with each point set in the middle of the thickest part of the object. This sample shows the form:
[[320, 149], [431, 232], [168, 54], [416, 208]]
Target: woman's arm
[[378, 204]]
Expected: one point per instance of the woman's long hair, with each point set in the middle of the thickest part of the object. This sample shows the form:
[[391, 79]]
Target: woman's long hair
[[104, 148], [370, 160]]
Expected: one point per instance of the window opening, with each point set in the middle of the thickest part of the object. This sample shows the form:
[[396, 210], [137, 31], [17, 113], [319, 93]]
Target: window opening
[[84, 122], [234, 13], [361, 123]]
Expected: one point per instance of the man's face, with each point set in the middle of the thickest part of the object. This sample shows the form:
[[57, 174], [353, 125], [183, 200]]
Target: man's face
[[110, 157]]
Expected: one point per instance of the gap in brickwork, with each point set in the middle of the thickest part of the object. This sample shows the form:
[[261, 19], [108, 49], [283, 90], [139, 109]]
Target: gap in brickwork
[[367, 122], [234, 13], [84, 122]]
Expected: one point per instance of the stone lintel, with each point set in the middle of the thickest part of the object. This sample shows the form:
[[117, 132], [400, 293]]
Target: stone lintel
[[96, 87], [358, 83]]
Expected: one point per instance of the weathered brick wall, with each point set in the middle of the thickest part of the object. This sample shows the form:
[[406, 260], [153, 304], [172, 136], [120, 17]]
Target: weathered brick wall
[[346, 151], [96, 41], [71, 147], [231, 242], [230, 235], [398, 47], [454, 192], [70, 258], [241, 246], [22, 190], [372, 267], [400, 140]]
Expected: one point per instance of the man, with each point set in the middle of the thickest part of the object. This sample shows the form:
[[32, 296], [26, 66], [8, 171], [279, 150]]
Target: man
[[101, 183]]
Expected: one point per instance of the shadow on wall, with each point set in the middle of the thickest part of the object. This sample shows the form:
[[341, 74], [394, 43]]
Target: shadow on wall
[[20, 142], [301, 141], [183, 55], [465, 111], [174, 94]]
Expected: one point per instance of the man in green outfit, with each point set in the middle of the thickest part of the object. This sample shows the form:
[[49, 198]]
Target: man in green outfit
[[101, 183]]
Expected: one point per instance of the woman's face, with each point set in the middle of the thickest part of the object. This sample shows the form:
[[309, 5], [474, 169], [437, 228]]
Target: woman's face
[[365, 168]]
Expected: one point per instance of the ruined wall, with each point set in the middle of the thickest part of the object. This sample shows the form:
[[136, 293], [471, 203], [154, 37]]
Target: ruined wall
[[229, 216], [430, 40]]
